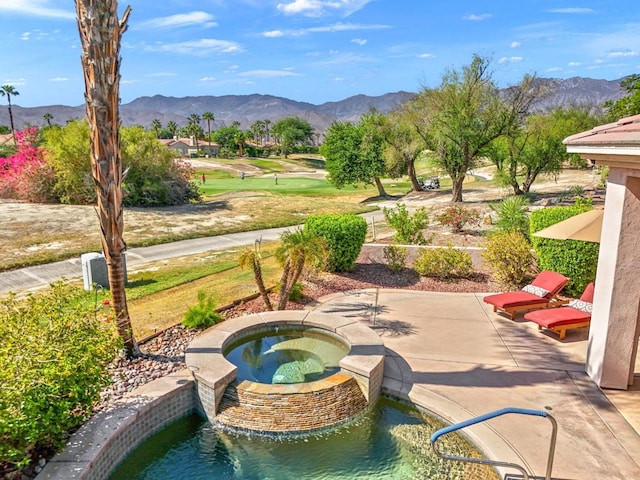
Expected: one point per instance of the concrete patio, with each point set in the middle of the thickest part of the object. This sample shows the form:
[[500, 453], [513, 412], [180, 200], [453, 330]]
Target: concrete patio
[[451, 354]]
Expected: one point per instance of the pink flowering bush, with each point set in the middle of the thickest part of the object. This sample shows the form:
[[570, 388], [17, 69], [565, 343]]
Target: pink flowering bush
[[25, 175], [457, 217]]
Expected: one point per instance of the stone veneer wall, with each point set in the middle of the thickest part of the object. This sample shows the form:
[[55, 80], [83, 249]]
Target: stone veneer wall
[[105, 440], [291, 408]]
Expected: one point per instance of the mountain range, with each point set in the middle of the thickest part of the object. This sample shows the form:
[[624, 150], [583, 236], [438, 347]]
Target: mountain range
[[247, 109]]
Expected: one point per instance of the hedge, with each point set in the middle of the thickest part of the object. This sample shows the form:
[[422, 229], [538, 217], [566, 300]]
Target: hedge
[[344, 234]]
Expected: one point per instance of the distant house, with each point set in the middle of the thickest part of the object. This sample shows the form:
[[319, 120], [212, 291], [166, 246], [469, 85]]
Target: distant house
[[186, 147]]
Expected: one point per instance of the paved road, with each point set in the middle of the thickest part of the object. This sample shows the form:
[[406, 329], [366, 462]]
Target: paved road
[[31, 278]]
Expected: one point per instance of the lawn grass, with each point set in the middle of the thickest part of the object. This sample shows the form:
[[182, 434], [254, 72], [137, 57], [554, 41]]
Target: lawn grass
[[160, 294]]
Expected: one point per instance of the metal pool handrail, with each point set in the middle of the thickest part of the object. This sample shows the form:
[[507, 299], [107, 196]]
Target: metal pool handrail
[[488, 416]]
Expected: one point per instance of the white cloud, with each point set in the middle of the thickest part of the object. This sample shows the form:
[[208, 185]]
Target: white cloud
[[25, 36], [623, 52], [339, 79], [336, 27], [318, 8], [571, 10], [477, 17], [17, 82], [515, 44], [202, 47], [505, 60], [553, 69], [359, 41], [208, 79], [231, 69], [574, 64], [35, 8], [162, 74], [269, 74], [426, 55], [180, 20], [59, 79]]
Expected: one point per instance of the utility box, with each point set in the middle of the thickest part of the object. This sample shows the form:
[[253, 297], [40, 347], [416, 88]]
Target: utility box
[[94, 270]]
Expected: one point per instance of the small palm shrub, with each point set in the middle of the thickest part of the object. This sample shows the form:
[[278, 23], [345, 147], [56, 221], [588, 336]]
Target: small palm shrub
[[508, 254], [396, 257], [512, 214], [408, 227], [458, 216], [202, 315], [444, 263]]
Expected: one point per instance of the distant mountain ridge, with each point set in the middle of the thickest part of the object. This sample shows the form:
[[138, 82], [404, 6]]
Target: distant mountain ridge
[[247, 109]]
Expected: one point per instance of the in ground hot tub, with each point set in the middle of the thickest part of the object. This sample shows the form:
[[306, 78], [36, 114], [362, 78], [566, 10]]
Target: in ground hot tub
[[292, 371]]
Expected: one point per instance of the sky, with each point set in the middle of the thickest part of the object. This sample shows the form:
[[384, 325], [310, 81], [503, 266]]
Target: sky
[[316, 50]]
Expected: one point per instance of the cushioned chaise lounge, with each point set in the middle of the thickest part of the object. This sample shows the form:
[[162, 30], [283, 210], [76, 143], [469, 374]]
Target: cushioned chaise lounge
[[575, 314], [540, 293]]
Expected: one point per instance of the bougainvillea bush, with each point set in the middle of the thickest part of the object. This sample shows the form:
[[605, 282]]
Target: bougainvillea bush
[[25, 175]]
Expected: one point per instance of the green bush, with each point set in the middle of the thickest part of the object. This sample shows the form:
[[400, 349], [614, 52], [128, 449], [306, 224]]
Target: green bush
[[458, 216], [296, 294], [408, 227], [574, 259], [396, 257], [512, 214], [54, 348], [344, 235], [202, 315], [508, 253], [444, 263]]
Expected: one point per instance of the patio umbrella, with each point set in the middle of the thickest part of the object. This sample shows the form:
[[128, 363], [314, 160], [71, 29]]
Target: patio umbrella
[[585, 226]]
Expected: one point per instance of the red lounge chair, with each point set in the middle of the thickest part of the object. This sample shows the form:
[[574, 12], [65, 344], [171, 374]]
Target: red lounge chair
[[574, 315], [540, 293]]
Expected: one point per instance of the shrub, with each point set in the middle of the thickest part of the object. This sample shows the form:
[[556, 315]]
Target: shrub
[[344, 235], [295, 295], [512, 214], [458, 216], [54, 348], [444, 263], [202, 315], [396, 257], [408, 227], [574, 259], [508, 253]]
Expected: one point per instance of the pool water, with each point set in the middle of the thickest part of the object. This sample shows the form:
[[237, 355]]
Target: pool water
[[288, 356], [390, 442]]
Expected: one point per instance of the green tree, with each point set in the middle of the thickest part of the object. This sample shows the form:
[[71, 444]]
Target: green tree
[[458, 120], [298, 250], [354, 153], [156, 126], [208, 117], [173, 128], [253, 258], [227, 137], [403, 146], [100, 36], [47, 118], [291, 131], [629, 104], [536, 148], [8, 90], [193, 127]]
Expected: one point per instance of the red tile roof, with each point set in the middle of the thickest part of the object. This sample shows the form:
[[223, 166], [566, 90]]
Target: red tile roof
[[623, 133]]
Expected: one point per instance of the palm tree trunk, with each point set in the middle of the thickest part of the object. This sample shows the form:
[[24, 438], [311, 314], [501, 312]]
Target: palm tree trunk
[[257, 273], [100, 35], [13, 130]]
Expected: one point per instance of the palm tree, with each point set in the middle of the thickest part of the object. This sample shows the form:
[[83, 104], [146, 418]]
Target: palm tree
[[239, 137], [172, 127], [209, 117], [100, 34], [156, 126], [298, 249], [194, 126], [9, 90], [267, 130], [252, 257], [47, 118]]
